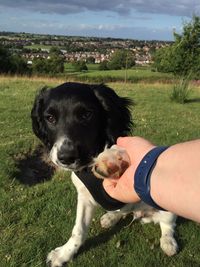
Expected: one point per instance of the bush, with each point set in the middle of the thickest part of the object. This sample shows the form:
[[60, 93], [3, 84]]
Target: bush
[[103, 65], [39, 66], [19, 65], [52, 66], [80, 66], [90, 60], [121, 59], [181, 90], [55, 65]]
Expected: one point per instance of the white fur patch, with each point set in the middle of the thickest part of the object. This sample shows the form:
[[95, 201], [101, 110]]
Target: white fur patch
[[54, 151]]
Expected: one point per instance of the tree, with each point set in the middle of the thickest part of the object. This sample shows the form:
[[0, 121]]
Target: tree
[[39, 66], [121, 59], [52, 66], [55, 65], [55, 51], [5, 62], [103, 65], [183, 56], [12, 63], [163, 60], [19, 65], [80, 66], [91, 60]]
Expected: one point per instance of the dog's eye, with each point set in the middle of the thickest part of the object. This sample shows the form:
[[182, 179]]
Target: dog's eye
[[86, 115], [51, 119]]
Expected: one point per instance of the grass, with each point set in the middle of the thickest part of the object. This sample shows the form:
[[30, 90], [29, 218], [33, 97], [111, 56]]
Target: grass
[[135, 75], [35, 219], [132, 75], [38, 46]]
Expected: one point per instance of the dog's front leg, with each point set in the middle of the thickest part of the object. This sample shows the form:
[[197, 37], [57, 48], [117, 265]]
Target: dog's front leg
[[85, 210], [167, 241]]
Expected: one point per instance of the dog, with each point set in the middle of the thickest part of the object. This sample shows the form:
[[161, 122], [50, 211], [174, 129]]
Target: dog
[[75, 121]]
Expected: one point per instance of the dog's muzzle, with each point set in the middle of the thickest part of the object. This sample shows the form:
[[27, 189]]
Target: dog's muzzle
[[64, 153], [67, 153]]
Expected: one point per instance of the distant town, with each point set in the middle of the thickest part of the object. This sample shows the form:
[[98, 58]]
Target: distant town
[[75, 48]]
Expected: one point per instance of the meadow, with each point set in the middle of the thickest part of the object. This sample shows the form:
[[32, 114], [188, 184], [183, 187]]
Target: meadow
[[136, 74], [131, 75], [37, 216]]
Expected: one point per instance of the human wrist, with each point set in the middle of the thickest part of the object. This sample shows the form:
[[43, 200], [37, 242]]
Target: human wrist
[[142, 177]]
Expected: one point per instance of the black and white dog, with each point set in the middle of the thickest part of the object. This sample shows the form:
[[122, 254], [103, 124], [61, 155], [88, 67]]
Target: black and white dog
[[76, 121]]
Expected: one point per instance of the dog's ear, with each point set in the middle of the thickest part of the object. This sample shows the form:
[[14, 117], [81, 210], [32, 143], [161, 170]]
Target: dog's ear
[[38, 124], [117, 109]]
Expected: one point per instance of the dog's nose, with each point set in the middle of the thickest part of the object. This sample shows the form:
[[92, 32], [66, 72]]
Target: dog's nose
[[67, 153]]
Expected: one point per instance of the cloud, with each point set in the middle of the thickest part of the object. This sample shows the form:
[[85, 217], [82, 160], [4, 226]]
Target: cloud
[[97, 30], [167, 7], [100, 30]]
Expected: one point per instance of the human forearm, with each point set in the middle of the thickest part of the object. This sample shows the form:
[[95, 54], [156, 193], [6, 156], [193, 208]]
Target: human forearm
[[175, 180]]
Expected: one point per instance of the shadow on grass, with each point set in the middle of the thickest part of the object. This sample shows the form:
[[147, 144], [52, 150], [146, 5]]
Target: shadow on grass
[[108, 234], [193, 100], [180, 234], [180, 241], [33, 168], [105, 236]]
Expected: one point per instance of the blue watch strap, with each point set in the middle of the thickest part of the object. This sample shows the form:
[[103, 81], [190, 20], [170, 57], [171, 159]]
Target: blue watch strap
[[142, 176]]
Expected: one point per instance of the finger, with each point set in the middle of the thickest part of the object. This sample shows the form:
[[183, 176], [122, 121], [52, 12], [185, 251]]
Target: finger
[[123, 141], [128, 143]]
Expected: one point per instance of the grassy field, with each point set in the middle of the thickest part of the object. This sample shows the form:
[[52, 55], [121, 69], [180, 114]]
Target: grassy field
[[38, 46], [131, 75], [69, 68], [37, 218]]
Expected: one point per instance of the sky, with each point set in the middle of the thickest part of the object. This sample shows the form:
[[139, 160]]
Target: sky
[[134, 19]]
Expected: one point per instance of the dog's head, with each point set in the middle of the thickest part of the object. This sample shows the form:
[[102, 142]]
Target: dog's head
[[75, 121]]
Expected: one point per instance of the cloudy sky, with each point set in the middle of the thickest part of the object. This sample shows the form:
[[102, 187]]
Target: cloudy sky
[[135, 19]]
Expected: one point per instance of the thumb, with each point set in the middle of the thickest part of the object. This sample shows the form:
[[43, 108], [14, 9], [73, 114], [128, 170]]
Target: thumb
[[124, 141]]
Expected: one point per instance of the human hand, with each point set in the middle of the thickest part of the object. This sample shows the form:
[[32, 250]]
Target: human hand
[[122, 189]]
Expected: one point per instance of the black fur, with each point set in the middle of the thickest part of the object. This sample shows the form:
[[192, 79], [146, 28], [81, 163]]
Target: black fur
[[91, 116]]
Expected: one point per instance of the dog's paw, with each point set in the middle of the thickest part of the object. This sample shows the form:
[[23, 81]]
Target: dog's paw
[[111, 163], [146, 220], [109, 219], [57, 257], [169, 245]]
